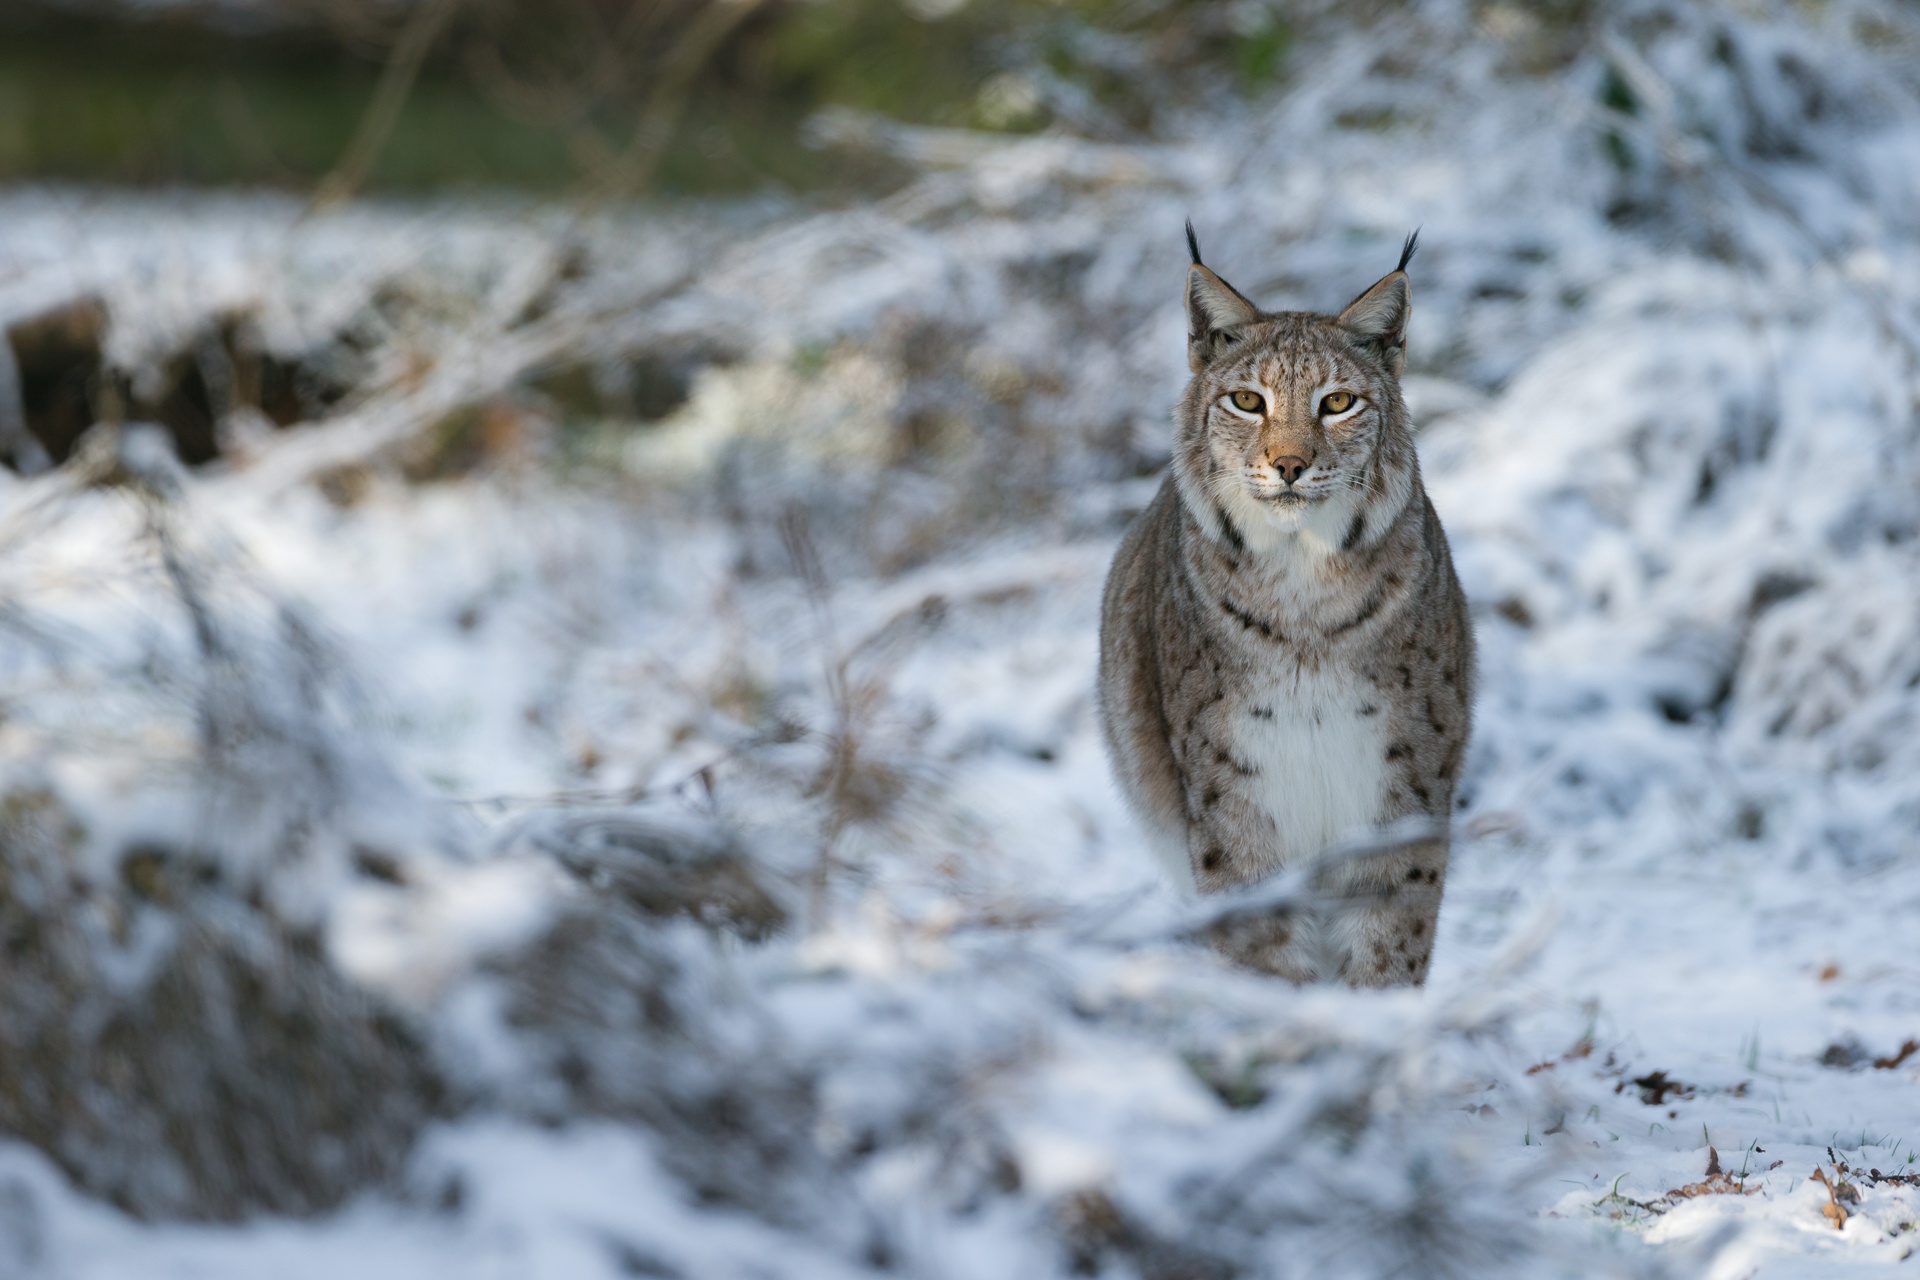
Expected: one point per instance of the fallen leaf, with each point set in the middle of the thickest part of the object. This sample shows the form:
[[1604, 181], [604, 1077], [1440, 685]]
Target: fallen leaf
[[1716, 1183], [1835, 1212], [1655, 1086], [1582, 1048], [1907, 1050]]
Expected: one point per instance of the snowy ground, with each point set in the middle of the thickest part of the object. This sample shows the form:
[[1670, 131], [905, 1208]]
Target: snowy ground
[[1665, 358]]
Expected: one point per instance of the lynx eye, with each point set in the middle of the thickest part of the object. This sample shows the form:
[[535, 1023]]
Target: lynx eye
[[1248, 402], [1336, 402]]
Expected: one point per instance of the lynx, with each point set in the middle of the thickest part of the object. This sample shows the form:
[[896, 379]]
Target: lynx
[[1286, 657]]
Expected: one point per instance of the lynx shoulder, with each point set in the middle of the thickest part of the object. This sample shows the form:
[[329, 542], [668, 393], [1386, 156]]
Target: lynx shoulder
[[1286, 658]]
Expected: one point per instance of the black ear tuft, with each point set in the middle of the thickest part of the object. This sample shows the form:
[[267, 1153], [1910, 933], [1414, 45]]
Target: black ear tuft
[[1193, 244], [1406, 250]]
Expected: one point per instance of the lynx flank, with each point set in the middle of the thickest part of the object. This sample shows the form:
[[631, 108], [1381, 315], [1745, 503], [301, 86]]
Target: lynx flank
[[1285, 653]]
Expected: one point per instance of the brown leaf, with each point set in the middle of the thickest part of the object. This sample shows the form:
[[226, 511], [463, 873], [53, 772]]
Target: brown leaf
[[1907, 1050], [1835, 1212], [1582, 1048], [1717, 1184], [1655, 1086]]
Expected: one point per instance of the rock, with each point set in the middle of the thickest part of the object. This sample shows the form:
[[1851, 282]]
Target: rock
[[58, 356]]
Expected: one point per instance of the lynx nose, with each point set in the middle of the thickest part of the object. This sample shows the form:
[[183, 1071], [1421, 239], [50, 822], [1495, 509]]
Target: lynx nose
[[1291, 467]]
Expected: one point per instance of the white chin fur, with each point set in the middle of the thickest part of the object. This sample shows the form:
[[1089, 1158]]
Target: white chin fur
[[1272, 527]]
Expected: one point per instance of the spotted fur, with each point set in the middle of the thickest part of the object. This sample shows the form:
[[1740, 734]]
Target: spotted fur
[[1285, 653]]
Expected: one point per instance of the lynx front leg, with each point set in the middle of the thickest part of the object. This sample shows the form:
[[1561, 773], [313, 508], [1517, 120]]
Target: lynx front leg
[[1230, 839], [1368, 921], [1285, 944], [1231, 845], [1383, 909]]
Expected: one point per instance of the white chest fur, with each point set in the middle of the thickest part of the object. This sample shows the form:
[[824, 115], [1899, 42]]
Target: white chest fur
[[1320, 758]]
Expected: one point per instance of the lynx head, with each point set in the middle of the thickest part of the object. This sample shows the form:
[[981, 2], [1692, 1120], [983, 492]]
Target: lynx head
[[1293, 430]]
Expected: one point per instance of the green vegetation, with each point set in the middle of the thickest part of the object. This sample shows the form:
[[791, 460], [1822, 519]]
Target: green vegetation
[[111, 113], [499, 102]]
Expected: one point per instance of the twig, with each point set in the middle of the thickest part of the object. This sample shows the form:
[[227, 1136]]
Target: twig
[[633, 170], [1294, 890], [639, 791], [800, 548], [389, 100]]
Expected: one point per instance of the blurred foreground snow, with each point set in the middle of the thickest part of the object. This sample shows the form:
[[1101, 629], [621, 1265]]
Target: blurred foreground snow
[[697, 834]]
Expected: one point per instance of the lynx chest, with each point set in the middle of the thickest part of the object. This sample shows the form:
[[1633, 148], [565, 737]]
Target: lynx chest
[[1316, 740]]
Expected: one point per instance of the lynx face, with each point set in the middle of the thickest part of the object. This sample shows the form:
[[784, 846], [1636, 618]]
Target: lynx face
[[1293, 422]]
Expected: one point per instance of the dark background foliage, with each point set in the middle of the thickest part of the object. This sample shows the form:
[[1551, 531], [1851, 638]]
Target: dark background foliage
[[551, 94]]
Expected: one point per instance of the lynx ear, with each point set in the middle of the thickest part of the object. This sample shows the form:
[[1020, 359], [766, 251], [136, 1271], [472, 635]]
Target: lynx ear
[[1379, 316], [1213, 308]]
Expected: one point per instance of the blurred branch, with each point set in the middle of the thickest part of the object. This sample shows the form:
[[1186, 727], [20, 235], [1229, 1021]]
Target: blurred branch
[[389, 100], [843, 738], [1303, 889], [566, 107], [633, 170]]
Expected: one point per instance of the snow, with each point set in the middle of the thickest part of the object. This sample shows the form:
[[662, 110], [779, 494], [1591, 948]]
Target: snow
[[1668, 419]]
